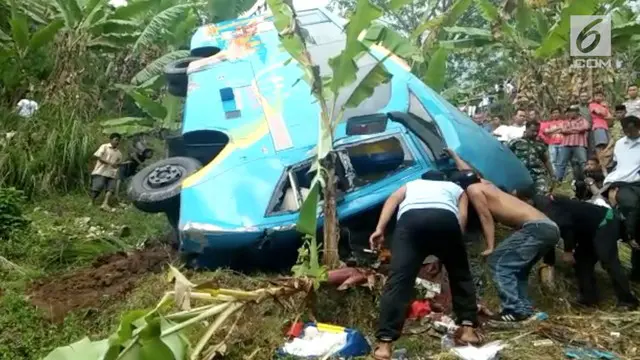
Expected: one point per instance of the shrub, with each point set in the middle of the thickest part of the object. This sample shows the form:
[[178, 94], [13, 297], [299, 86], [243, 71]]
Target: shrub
[[49, 152], [11, 217]]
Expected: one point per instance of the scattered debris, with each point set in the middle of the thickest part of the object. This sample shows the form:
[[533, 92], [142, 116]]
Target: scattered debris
[[323, 340], [587, 354], [486, 352], [542, 343]]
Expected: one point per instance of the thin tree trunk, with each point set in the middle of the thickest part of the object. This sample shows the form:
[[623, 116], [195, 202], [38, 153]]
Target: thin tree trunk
[[331, 233]]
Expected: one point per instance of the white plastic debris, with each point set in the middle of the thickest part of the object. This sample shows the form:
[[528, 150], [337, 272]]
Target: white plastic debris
[[487, 352], [315, 343]]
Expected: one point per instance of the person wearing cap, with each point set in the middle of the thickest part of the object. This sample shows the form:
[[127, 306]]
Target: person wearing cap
[[590, 234], [573, 148], [513, 259], [432, 216]]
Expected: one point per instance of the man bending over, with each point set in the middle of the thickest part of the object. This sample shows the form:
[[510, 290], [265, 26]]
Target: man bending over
[[432, 215], [590, 233], [512, 260]]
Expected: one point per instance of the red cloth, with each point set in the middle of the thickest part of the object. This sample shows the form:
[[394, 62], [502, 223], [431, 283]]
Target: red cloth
[[551, 139], [599, 121], [575, 132], [419, 309]]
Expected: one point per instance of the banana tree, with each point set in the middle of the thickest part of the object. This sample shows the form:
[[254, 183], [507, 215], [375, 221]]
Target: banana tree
[[158, 116], [22, 48], [326, 90]]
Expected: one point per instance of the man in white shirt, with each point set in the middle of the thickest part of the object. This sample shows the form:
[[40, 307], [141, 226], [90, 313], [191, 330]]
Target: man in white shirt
[[624, 186], [27, 107], [105, 174], [633, 104], [506, 133], [432, 216]]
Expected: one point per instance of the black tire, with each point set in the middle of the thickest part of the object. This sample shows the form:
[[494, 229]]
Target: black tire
[[176, 75], [165, 197]]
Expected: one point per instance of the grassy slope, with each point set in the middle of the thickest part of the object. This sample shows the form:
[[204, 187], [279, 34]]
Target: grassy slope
[[354, 308]]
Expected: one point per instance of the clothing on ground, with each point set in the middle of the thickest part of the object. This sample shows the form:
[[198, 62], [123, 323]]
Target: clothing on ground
[[26, 108], [109, 154], [423, 194], [602, 246], [533, 154], [419, 233], [513, 259], [626, 153]]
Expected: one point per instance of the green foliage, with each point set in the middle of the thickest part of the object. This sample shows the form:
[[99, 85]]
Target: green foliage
[[160, 115], [558, 35], [11, 217], [48, 153]]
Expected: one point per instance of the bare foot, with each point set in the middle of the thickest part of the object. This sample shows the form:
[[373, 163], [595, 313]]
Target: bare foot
[[468, 335], [382, 351]]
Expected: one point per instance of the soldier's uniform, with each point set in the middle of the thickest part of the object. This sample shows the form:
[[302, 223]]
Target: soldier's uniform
[[533, 153]]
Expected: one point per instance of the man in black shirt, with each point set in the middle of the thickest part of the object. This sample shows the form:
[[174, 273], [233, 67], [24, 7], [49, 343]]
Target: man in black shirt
[[590, 233]]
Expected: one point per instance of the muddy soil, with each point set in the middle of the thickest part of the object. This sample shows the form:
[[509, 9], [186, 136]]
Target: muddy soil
[[109, 278]]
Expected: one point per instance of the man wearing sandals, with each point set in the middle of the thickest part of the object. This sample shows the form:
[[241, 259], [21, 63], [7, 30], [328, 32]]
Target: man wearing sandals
[[512, 261], [432, 216]]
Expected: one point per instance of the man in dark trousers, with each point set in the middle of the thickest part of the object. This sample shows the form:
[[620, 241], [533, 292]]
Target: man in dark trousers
[[590, 233], [432, 215], [623, 185]]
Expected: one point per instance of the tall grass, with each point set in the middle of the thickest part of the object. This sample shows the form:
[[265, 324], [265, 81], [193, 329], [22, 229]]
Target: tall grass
[[49, 152]]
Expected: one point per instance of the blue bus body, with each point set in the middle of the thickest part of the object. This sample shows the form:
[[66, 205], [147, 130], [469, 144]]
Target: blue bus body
[[229, 210]]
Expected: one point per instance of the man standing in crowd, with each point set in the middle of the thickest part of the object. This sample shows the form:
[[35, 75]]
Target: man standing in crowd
[[105, 173], [432, 215], [533, 116], [585, 100], [606, 155], [624, 186], [507, 133], [601, 117], [512, 261], [534, 155], [573, 149], [632, 105], [590, 234], [553, 138]]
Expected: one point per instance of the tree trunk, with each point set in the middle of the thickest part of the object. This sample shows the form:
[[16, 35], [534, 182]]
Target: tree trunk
[[331, 228]]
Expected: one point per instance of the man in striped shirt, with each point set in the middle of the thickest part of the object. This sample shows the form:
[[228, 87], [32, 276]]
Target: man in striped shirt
[[575, 130]]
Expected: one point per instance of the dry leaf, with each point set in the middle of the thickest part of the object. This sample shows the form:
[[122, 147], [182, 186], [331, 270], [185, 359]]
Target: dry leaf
[[182, 288]]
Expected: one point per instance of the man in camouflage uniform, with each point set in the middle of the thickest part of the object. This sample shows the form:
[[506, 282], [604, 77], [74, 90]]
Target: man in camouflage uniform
[[535, 157]]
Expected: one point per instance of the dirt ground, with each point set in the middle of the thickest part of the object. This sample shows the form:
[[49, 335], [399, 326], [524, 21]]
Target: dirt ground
[[110, 277]]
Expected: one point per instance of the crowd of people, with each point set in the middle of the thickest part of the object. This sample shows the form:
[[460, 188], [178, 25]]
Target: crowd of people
[[433, 214]]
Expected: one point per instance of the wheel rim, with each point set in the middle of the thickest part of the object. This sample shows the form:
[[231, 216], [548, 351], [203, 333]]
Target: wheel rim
[[164, 176]]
